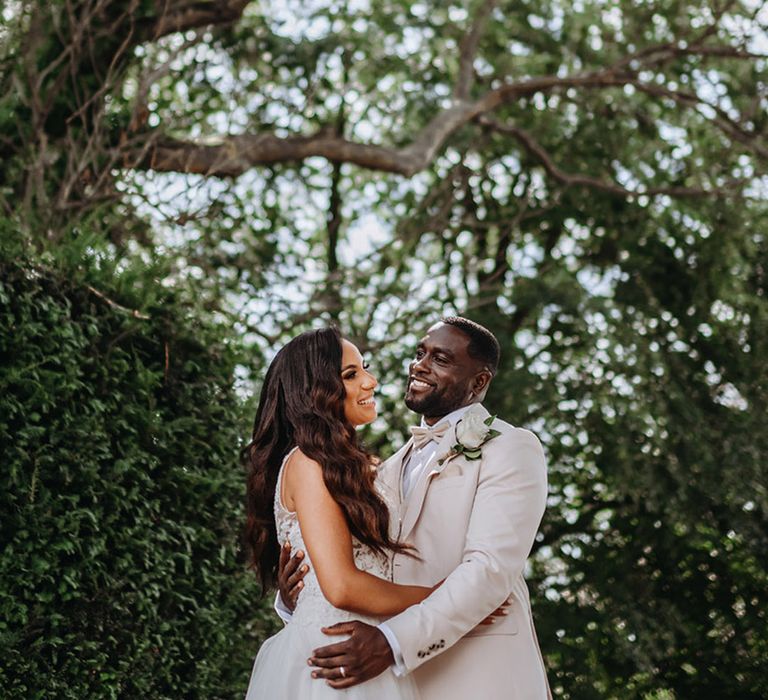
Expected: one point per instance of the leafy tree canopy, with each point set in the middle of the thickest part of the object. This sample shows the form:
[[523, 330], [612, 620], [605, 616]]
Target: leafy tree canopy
[[587, 178]]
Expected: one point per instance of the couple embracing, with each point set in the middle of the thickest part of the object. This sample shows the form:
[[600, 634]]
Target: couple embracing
[[416, 564]]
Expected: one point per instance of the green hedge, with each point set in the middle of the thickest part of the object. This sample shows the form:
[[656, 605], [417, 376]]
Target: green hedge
[[120, 493]]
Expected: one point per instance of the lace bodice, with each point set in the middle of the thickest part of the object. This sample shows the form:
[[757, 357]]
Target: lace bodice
[[312, 608]]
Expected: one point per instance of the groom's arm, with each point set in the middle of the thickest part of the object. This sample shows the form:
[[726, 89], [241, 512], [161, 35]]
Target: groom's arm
[[507, 510], [366, 653]]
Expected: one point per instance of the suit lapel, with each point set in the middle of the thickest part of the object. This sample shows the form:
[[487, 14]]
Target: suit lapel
[[392, 474], [415, 501]]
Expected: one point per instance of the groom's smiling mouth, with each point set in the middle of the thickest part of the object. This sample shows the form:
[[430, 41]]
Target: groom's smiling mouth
[[416, 384]]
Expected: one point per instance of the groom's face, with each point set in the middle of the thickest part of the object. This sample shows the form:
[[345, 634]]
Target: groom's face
[[442, 374]]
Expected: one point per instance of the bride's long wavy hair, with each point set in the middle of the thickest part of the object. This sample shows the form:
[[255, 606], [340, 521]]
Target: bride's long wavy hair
[[302, 404]]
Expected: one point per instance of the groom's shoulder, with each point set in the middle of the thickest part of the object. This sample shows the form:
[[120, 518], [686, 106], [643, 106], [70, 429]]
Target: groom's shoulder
[[511, 436], [514, 451]]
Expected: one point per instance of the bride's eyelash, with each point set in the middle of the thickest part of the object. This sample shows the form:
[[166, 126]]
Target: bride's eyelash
[[352, 374]]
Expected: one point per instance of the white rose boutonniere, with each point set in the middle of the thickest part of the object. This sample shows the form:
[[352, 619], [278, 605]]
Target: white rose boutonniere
[[472, 432]]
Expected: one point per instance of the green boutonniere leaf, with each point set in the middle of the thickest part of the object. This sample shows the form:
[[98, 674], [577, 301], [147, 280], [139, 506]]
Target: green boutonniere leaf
[[473, 452]]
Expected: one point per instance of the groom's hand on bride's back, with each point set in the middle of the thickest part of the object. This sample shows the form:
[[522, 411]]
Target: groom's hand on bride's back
[[290, 573], [364, 655]]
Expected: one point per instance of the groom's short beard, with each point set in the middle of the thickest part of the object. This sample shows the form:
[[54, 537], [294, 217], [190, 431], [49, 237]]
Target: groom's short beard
[[437, 405]]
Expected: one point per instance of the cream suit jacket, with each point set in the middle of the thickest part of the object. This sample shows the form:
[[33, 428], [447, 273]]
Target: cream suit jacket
[[473, 523]]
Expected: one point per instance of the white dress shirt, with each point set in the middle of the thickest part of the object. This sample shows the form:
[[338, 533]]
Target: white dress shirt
[[418, 460]]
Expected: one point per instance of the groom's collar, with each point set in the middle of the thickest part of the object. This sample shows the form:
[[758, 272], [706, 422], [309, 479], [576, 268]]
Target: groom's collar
[[453, 417]]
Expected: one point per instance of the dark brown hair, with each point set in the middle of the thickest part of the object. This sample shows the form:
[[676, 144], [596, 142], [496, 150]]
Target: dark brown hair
[[302, 404]]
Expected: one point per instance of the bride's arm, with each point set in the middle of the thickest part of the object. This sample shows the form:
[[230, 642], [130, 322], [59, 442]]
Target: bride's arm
[[329, 545]]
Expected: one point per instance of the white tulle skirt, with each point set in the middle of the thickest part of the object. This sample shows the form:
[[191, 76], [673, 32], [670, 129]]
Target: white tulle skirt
[[280, 672]]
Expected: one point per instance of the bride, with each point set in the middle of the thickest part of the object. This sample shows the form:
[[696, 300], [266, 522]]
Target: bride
[[311, 484]]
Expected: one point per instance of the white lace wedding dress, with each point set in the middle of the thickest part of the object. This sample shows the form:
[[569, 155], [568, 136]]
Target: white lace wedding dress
[[280, 671]]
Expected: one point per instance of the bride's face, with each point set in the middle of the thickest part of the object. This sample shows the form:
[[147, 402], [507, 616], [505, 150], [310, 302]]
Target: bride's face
[[359, 383]]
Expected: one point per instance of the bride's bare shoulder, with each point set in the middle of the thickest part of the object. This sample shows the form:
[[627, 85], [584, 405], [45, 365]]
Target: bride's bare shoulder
[[300, 471], [298, 460], [303, 479]]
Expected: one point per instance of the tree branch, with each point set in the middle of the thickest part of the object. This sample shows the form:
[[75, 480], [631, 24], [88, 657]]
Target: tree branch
[[728, 125], [660, 53], [180, 15], [468, 51], [114, 304], [230, 156], [573, 180]]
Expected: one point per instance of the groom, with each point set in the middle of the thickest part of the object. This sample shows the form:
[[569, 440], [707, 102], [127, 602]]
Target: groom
[[470, 493]]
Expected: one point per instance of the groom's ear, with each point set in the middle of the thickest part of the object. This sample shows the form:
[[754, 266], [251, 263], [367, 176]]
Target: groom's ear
[[480, 382]]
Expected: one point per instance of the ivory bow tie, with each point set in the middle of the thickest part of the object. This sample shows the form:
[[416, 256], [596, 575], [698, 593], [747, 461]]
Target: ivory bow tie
[[423, 435]]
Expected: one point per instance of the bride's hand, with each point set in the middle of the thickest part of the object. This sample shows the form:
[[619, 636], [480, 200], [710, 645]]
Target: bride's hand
[[290, 573], [497, 614]]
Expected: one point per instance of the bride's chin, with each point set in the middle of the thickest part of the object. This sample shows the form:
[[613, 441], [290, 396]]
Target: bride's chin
[[366, 421], [371, 419]]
